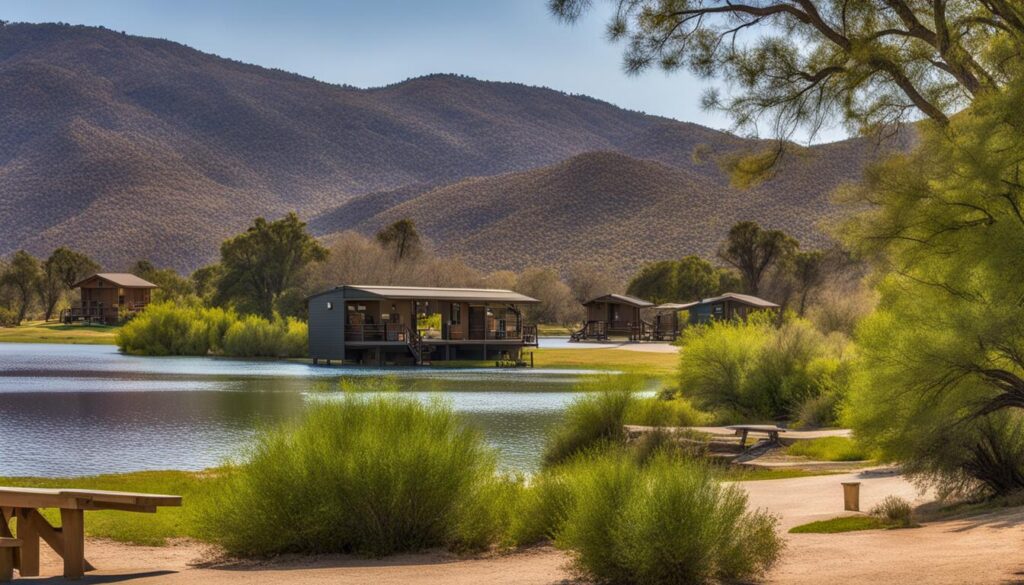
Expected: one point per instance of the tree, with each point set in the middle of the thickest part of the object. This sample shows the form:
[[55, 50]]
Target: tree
[[809, 274], [941, 385], [401, 238], [588, 281], [264, 262], [655, 282], [752, 251], [804, 64], [695, 279], [22, 275], [557, 304], [62, 270], [172, 286]]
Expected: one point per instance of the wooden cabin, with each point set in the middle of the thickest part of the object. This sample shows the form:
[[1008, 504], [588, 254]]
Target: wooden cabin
[[109, 298], [614, 315], [666, 321], [728, 306], [417, 325]]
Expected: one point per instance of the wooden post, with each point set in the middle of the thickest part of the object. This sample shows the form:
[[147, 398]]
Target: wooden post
[[72, 526], [8, 549], [28, 533]]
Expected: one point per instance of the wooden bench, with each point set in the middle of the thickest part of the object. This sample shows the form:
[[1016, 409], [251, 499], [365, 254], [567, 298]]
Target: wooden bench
[[8, 548], [742, 430], [23, 504]]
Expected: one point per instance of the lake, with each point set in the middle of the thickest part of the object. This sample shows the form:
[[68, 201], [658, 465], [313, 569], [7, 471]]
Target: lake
[[68, 410]]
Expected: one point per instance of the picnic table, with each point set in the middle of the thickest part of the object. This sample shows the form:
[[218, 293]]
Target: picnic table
[[68, 541], [742, 430]]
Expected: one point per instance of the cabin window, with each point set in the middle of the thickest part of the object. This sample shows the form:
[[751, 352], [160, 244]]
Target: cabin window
[[330, 306], [456, 313]]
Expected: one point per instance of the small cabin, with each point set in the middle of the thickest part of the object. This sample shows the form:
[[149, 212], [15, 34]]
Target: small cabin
[[728, 306], [417, 325], [109, 298], [614, 315], [667, 325]]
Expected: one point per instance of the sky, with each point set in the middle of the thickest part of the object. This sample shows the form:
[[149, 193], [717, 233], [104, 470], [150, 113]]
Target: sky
[[368, 43]]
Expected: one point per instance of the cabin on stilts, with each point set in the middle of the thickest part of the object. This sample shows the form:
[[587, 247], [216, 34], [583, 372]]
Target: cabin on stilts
[[108, 298], [417, 325], [614, 315]]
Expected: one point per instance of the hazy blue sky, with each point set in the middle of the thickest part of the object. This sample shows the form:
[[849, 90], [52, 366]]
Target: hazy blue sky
[[370, 43]]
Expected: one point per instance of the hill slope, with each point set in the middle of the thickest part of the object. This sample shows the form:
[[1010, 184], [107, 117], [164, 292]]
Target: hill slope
[[130, 147]]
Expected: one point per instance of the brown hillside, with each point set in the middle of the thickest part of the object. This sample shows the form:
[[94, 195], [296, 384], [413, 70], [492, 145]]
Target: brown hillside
[[599, 205], [131, 147]]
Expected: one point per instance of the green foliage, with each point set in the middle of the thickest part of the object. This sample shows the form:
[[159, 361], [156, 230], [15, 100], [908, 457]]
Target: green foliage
[[829, 449], [691, 278], [173, 286], [752, 251], [191, 329], [841, 524], [8, 317], [401, 238], [62, 270], [753, 370], [895, 511], [941, 377], [668, 521], [656, 411], [595, 418], [260, 265], [22, 275], [557, 304], [372, 476]]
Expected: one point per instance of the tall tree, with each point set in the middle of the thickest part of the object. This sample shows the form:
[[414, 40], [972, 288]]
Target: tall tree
[[172, 286], [752, 251], [804, 64], [22, 276], [262, 263], [695, 279], [809, 274], [401, 238], [60, 272], [655, 282], [588, 281]]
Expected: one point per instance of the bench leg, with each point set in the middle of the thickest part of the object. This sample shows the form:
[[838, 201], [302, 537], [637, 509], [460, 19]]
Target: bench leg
[[743, 440], [6, 564], [72, 527], [28, 532]]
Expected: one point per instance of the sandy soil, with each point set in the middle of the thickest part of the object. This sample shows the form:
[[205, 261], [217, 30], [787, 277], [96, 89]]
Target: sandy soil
[[986, 549]]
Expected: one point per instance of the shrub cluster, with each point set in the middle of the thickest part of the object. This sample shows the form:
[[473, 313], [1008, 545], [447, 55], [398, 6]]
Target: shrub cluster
[[753, 370], [172, 329], [372, 476], [895, 511]]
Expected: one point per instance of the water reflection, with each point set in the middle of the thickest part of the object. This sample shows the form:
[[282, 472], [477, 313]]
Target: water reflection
[[76, 410]]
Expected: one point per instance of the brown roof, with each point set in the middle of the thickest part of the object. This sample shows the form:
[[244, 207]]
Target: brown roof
[[675, 306], [421, 293], [624, 299], [122, 279]]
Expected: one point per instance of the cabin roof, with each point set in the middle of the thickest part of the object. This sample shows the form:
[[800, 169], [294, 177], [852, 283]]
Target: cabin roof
[[421, 293], [675, 306], [745, 299], [624, 299], [122, 279]]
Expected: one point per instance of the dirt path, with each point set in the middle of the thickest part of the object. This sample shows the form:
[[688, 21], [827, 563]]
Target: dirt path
[[981, 550]]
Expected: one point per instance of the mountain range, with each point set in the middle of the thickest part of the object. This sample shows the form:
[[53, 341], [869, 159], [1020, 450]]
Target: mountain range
[[129, 147]]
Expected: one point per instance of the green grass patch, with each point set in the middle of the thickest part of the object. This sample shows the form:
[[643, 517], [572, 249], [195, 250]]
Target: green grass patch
[[548, 330], [748, 473], [131, 527], [843, 524], [829, 449], [54, 332], [640, 362]]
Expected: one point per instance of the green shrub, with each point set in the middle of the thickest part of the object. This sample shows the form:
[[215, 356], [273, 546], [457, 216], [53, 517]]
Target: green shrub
[[541, 508], [753, 370], [660, 412], [190, 329], [372, 476], [895, 511], [829, 449], [595, 418], [669, 521], [8, 317]]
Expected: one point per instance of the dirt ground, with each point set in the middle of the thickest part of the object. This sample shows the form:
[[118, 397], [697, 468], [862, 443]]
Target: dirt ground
[[987, 549]]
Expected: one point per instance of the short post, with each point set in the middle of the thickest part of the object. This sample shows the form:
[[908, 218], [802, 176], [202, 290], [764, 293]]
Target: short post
[[8, 549], [851, 496]]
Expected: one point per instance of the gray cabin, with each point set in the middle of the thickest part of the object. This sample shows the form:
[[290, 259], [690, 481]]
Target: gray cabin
[[417, 325], [614, 315], [728, 306]]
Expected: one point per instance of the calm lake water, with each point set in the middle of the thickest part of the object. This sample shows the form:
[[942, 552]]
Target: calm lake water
[[70, 410]]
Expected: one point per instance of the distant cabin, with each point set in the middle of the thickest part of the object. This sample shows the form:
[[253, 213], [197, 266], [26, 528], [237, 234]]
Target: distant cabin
[[614, 315], [417, 325], [726, 307], [109, 297]]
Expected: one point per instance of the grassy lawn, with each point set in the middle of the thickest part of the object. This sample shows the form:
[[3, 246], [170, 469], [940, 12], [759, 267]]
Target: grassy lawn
[[844, 524], [555, 330], [829, 449], [648, 363], [749, 473], [131, 527], [54, 332]]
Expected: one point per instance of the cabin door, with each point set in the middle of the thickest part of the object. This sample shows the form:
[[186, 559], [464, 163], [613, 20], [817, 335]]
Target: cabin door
[[477, 322]]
